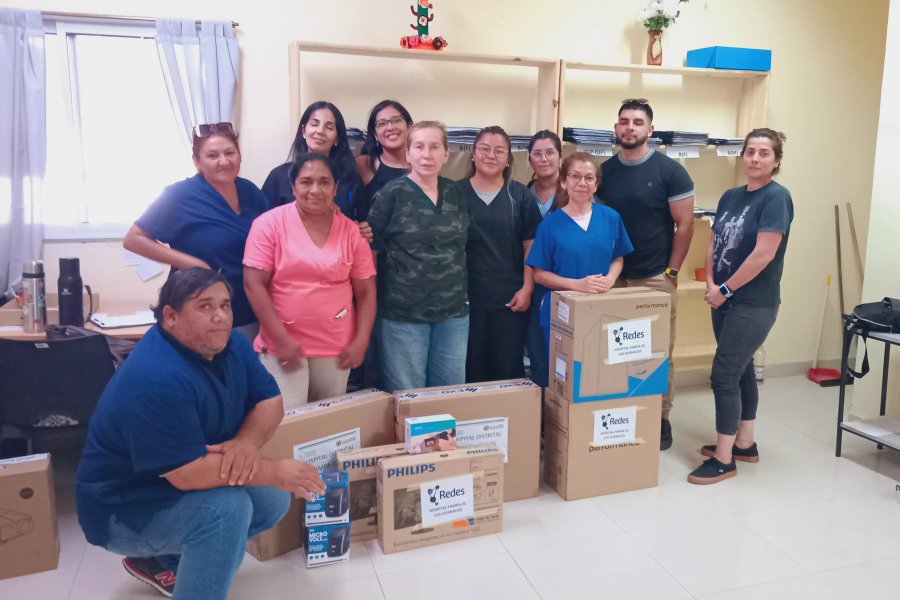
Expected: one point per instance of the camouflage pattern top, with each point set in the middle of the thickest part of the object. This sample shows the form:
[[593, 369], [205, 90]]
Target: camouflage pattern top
[[422, 251]]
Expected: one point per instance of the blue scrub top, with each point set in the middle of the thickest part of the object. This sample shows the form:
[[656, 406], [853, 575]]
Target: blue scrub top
[[192, 217], [564, 248]]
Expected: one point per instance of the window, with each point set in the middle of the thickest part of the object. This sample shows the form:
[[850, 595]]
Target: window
[[113, 142]]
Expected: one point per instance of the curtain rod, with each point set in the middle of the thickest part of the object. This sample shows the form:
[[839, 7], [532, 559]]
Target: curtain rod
[[111, 17]]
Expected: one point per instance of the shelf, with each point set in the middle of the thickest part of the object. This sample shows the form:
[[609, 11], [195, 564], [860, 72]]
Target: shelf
[[445, 55], [660, 70], [881, 430]]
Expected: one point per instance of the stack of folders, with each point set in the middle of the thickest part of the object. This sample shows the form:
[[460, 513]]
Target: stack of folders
[[583, 135], [466, 136], [354, 133], [682, 138], [718, 141]]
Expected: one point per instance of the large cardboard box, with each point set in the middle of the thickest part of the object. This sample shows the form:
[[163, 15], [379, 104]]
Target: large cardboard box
[[602, 447], [29, 541], [507, 413], [314, 433], [360, 466], [611, 345], [427, 499]]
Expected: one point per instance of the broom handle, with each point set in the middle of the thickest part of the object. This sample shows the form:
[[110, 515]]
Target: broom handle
[[837, 232], [822, 319], [859, 265]]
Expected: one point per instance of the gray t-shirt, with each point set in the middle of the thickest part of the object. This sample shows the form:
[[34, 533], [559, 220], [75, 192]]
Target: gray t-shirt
[[739, 217]]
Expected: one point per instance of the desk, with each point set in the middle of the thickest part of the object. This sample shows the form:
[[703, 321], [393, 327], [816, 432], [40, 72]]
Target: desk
[[128, 333]]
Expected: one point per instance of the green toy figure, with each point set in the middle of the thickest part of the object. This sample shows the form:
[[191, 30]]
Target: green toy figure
[[422, 15], [421, 40]]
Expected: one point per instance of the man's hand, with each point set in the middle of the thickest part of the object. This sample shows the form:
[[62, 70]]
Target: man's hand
[[240, 460], [351, 356], [300, 478], [520, 301], [366, 230], [714, 297]]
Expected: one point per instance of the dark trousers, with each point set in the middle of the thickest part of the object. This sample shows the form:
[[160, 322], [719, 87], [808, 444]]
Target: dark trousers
[[496, 344], [537, 346], [740, 330]]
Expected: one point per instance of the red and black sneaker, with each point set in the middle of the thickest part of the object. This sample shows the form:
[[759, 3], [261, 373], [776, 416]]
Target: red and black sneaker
[[152, 573]]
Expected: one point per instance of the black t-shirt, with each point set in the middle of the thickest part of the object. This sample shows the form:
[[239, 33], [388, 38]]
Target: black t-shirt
[[351, 196], [739, 217], [640, 191], [495, 258]]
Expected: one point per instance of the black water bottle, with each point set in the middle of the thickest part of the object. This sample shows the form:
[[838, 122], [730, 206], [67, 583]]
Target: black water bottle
[[70, 287]]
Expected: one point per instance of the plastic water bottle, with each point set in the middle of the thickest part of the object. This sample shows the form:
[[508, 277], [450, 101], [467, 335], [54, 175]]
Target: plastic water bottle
[[759, 365]]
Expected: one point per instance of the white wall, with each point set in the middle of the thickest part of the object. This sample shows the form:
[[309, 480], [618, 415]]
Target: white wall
[[825, 93]]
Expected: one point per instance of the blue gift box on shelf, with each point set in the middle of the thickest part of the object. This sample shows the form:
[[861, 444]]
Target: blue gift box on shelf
[[726, 57]]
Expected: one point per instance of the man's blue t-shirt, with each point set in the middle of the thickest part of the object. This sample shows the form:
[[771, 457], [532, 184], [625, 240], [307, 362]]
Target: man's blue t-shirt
[[192, 217], [158, 412], [565, 249]]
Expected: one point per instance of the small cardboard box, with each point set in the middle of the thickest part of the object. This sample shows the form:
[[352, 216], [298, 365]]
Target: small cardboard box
[[314, 433], [360, 466], [427, 499], [29, 541], [334, 505], [603, 447], [327, 543], [507, 413], [728, 57], [611, 345], [430, 433], [11, 312]]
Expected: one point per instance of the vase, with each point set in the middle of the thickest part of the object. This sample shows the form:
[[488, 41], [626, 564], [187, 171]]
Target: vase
[[654, 47]]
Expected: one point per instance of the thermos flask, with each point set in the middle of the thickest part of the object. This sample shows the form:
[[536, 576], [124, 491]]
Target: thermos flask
[[70, 286], [34, 305]]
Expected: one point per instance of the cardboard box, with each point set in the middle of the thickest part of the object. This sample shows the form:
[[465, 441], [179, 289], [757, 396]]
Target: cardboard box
[[29, 541], [603, 447], [427, 499], [727, 57], [334, 505], [327, 543], [430, 433], [360, 466], [507, 413], [11, 312], [612, 345], [314, 433]]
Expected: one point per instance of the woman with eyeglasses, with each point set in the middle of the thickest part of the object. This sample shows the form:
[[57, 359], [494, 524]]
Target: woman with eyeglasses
[[580, 245], [322, 130], [383, 155], [503, 217], [203, 221], [420, 224], [311, 280], [544, 156]]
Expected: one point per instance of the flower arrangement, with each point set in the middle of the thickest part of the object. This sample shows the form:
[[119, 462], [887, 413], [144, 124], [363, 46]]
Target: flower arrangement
[[659, 14]]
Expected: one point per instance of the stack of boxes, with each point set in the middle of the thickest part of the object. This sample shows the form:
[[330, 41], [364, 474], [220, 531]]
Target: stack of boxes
[[327, 521], [608, 368]]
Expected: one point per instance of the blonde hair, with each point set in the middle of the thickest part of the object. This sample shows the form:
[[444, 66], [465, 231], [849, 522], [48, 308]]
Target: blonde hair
[[418, 126]]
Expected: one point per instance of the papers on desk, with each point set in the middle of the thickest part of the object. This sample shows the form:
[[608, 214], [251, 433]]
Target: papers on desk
[[146, 269], [135, 319]]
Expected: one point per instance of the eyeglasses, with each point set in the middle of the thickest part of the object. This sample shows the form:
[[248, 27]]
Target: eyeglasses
[[395, 121], [206, 130], [541, 154], [577, 177], [484, 151], [635, 101]]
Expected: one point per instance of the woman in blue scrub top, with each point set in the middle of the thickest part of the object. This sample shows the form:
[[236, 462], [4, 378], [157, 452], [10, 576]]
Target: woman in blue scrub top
[[205, 219], [580, 245], [322, 129]]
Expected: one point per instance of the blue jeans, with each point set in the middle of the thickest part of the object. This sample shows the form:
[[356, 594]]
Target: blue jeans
[[739, 329], [415, 355], [207, 532]]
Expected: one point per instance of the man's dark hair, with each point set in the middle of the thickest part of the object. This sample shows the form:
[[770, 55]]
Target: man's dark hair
[[637, 104], [184, 284]]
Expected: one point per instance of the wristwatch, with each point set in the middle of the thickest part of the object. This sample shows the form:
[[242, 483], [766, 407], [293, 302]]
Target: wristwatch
[[726, 291], [672, 272]]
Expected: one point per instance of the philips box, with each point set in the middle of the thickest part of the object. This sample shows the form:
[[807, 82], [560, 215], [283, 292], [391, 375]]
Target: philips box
[[334, 505], [431, 433], [507, 413], [612, 345], [327, 544], [603, 447], [29, 542], [314, 433], [438, 497], [360, 466], [727, 57]]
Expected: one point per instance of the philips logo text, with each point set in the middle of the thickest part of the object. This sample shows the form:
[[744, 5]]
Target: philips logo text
[[412, 470]]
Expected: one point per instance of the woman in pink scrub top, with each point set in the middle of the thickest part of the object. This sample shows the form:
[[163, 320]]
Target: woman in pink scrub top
[[310, 278]]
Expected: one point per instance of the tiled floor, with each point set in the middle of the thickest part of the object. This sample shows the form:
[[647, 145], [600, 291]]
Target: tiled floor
[[800, 524]]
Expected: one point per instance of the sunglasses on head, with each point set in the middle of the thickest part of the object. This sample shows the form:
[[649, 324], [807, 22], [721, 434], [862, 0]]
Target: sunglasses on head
[[635, 101], [207, 129]]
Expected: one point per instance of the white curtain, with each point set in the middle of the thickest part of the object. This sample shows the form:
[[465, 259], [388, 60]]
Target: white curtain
[[200, 69], [23, 141]]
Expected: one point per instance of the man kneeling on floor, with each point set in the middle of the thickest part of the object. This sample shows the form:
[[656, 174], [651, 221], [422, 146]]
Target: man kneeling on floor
[[171, 475]]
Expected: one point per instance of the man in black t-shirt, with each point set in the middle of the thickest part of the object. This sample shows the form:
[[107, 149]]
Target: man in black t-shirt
[[655, 197]]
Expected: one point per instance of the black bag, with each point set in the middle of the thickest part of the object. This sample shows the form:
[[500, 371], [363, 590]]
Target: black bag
[[874, 317], [119, 348]]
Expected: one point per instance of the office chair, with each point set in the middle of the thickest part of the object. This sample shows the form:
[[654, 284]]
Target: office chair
[[48, 389]]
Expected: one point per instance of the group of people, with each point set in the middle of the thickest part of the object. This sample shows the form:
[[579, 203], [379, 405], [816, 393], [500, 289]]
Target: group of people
[[464, 269]]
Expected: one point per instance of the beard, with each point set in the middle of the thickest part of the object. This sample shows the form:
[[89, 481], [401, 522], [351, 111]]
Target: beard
[[638, 141]]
